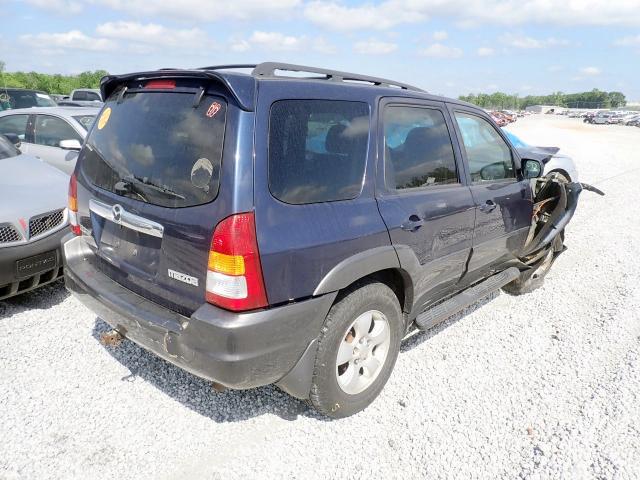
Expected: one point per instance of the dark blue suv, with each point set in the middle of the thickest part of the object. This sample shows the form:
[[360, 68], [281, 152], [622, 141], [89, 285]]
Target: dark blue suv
[[263, 227]]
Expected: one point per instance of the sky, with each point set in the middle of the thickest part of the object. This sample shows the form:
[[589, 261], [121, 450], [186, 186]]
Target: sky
[[448, 47]]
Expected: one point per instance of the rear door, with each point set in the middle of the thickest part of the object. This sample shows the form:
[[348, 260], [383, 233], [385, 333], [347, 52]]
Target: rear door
[[152, 166], [315, 206], [422, 195], [503, 200]]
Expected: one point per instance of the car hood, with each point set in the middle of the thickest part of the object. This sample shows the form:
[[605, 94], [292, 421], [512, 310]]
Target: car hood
[[30, 187], [542, 154]]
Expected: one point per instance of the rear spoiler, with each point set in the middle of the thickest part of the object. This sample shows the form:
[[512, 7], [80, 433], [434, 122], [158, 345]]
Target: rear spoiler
[[241, 87]]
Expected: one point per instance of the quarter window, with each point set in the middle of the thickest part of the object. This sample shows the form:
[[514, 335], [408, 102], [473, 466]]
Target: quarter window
[[317, 150], [50, 131], [488, 154], [418, 149]]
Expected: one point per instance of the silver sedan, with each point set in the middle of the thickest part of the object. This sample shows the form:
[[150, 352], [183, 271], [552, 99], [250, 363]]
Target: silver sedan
[[33, 217], [554, 160], [54, 134]]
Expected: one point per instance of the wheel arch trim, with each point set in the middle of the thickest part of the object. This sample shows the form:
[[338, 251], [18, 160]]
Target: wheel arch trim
[[356, 267]]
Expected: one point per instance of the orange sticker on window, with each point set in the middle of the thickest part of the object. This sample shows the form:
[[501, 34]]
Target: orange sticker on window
[[104, 118], [213, 109]]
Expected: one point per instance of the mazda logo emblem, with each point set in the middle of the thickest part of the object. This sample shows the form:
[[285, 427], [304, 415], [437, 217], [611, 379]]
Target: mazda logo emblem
[[116, 211]]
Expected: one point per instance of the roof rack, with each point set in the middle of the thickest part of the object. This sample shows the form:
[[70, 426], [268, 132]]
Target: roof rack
[[268, 69]]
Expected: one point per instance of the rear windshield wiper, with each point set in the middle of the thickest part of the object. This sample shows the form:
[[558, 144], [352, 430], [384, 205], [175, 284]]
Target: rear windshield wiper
[[129, 184]]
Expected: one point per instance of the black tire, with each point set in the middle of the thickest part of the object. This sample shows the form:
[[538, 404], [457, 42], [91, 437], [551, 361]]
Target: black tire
[[561, 176], [326, 395], [529, 280]]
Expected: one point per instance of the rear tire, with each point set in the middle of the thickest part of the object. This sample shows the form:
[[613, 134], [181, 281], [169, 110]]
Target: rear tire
[[357, 349]]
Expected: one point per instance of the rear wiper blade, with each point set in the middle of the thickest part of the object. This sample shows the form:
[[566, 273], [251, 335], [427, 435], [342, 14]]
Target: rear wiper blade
[[167, 191], [125, 187]]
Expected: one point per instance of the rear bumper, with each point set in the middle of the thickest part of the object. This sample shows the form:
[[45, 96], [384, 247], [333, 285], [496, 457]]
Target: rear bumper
[[238, 350], [11, 283]]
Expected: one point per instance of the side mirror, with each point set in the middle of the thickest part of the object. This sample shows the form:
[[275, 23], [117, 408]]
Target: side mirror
[[493, 171], [531, 168], [70, 145], [14, 138]]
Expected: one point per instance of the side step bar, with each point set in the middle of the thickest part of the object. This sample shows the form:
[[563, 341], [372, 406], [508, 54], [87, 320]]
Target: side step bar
[[444, 310]]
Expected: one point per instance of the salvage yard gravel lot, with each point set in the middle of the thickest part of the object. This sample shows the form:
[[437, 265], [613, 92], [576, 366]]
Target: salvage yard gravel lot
[[543, 385]]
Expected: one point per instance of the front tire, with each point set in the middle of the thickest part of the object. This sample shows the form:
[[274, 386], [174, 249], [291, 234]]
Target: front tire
[[530, 280], [357, 349]]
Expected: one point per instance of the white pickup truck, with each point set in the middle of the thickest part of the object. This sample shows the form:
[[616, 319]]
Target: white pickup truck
[[83, 97]]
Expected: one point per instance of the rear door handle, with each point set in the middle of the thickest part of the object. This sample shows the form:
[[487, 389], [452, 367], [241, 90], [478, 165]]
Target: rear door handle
[[488, 206], [413, 224]]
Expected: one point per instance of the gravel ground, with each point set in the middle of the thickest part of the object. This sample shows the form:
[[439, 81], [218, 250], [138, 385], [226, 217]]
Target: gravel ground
[[545, 385]]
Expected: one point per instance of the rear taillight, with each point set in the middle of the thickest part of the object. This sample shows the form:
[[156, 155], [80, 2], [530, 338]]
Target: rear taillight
[[73, 205], [234, 276]]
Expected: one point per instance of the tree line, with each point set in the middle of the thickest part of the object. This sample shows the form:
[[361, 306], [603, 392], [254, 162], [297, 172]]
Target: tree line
[[55, 83], [593, 99]]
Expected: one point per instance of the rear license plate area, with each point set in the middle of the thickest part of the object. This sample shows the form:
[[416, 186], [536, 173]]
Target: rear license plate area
[[126, 247], [40, 263]]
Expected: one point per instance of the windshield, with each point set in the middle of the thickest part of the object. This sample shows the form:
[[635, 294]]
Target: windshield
[[10, 99], [157, 148], [85, 120], [7, 149]]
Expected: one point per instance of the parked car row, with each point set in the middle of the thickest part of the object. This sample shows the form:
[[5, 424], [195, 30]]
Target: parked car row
[[231, 223], [605, 117], [503, 117], [13, 98]]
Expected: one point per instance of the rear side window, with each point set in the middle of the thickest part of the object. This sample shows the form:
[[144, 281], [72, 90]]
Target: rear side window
[[317, 150], [418, 148], [157, 148]]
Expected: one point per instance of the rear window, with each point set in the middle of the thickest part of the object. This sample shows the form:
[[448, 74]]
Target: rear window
[[317, 150], [157, 148]]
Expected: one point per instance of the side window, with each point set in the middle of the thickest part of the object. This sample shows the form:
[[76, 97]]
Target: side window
[[488, 154], [80, 95], [418, 150], [317, 150], [50, 131], [14, 124], [93, 96]]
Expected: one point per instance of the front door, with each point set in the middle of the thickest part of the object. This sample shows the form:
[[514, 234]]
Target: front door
[[503, 199], [18, 124], [423, 197]]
